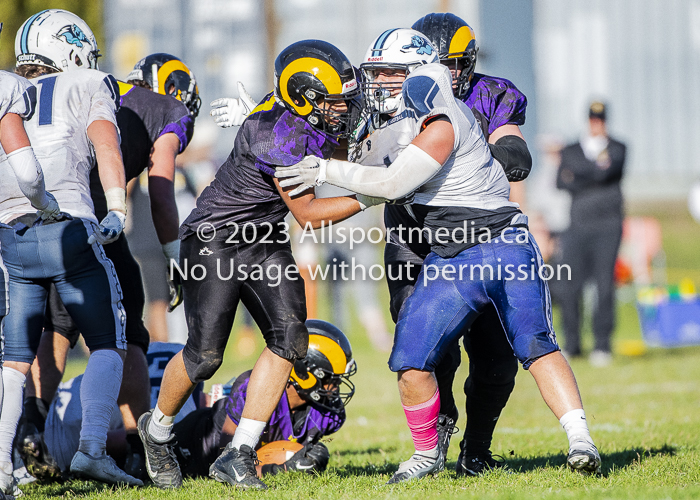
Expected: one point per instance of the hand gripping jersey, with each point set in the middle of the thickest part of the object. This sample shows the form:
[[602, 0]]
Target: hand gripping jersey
[[306, 427], [67, 104], [243, 190], [143, 117]]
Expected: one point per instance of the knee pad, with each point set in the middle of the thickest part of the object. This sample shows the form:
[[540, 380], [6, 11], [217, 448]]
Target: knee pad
[[201, 366]]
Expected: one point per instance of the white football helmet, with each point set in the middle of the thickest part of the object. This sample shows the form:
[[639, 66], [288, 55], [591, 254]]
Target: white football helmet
[[401, 49], [58, 39]]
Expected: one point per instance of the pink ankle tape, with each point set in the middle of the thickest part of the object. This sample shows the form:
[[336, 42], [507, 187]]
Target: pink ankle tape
[[422, 421]]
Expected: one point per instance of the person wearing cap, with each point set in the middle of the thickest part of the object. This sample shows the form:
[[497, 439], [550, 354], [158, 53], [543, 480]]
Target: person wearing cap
[[591, 170]]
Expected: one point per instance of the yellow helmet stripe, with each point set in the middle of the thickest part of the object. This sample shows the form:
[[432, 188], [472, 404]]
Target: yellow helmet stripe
[[165, 71], [331, 350], [460, 41], [321, 69], [304, 384]]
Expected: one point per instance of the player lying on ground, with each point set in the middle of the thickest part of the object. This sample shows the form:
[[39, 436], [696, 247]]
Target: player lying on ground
[[429, 142], [311, 408]]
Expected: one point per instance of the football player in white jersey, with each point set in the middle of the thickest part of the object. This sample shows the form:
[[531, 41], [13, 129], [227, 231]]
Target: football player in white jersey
[[73, 127], [431, 144]]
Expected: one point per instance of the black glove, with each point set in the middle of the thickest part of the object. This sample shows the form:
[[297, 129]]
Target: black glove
[[512, 153], [175, 286], [311, 458]]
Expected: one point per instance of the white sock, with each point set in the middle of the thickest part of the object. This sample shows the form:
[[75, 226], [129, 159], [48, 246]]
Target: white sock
[[98, 396], [428, 453], [13, 392], [160, 426], [248, 432], [574, 423]]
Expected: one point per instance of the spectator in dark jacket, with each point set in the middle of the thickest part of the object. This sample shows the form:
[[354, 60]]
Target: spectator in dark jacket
[[591, 170]]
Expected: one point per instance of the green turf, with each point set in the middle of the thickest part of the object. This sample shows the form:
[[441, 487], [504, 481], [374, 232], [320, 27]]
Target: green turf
[[644, 413]]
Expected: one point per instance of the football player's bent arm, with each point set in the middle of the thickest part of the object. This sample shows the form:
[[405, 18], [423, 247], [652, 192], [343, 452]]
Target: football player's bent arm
[[161, 189], [105, 139], [20, 157], [412, 168], [508, 146], [309, 210]]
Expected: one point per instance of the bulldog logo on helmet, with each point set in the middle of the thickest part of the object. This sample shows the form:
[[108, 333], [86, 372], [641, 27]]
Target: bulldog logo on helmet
[[420, 44], [73, 35]]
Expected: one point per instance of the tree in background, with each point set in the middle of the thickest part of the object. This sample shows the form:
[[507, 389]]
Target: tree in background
[[14, 12]]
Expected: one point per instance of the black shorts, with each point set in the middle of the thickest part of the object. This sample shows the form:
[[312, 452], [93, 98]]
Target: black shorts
[[263, 276], [198, 436], [128, 271]]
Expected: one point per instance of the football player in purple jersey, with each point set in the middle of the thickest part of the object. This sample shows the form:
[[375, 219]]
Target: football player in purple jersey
[[235, 247]]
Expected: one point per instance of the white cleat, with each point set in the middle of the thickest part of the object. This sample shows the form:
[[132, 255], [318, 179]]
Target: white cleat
[[8, 484], [418, 466], [103, 469]]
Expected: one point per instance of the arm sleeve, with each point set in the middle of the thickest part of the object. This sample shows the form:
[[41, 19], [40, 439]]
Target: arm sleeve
[[411, 169], [29, 176], [512, 153]]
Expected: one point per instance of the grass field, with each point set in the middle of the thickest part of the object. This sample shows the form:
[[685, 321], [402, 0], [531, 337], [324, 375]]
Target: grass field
[[644, 413]]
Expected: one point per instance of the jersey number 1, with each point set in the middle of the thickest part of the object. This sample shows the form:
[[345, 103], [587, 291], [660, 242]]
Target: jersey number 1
[[46, 100]]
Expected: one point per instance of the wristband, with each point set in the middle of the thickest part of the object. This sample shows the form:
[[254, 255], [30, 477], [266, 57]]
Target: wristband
[[116, 199]]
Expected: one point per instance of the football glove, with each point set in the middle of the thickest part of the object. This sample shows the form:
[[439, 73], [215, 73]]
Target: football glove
[[109, 229], [368, 201], [232, 112], [51, 211], [309, 172], [172, 253]]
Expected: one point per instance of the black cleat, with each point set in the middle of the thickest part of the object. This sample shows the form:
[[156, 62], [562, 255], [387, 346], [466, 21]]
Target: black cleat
[[37, 458], [161, 463], [477, 465], [237, 468], [445, 428]]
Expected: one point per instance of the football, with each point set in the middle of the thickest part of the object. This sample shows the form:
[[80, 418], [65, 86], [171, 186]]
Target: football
[[278, 452]]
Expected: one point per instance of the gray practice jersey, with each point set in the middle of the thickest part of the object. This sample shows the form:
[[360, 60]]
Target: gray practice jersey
[[67, 104], [470, 177]]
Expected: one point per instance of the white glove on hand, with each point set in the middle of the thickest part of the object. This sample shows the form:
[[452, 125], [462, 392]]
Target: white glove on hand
[[109, 229], [309, 172], [51, 210], [232, 112]]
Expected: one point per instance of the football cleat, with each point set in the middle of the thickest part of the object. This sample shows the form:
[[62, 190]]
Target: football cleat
[[584, 457], [445, 428], [418, 466], [161, 463], [477, 465], [37, 458], [103, 469], [237, 468]]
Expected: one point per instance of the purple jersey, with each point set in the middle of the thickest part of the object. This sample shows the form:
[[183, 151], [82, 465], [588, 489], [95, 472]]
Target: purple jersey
[[243, 190], [495, 102], [317, 423]]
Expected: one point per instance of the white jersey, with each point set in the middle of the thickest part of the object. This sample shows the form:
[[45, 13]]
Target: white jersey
[[67, 104], [17, 95], [470, 177]]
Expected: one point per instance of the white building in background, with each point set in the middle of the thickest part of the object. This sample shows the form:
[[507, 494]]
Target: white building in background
[[641, 56]]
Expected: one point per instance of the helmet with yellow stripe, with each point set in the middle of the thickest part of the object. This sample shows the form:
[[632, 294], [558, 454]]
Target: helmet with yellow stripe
[[166, 74], [322, 377], [314, 79], [456, 44]]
